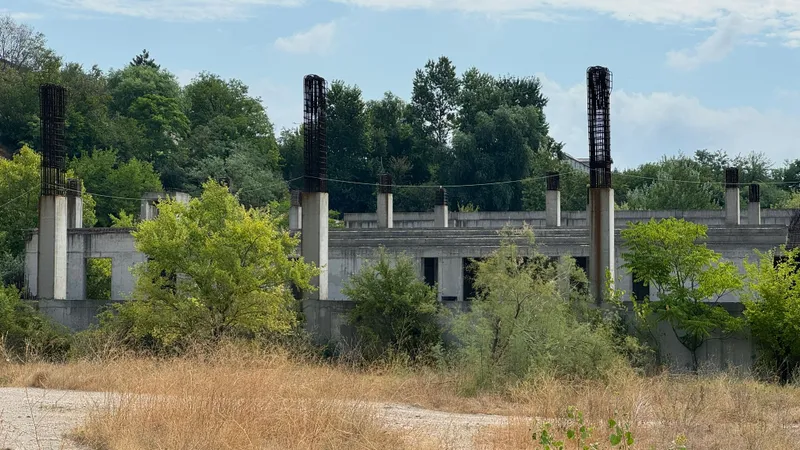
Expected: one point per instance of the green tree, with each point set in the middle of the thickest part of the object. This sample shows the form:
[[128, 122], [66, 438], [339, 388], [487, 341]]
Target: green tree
[[144, 59], [24, 330], [395, 312], [290, 146], [772, 310], [530, 317], [573, 183], [689, 278], [434, 98], [120, 184], [214, 268], [348, 150], [676, 182]]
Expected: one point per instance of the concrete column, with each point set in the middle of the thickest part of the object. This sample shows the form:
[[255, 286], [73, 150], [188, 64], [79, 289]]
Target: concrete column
[[76, 264], [385, 206], [754, 205], [314, 240], [148, 210], [52, 249], [601, 239], [441, 212], [553, 201], [732, 206], [295, 211], [74, 204]]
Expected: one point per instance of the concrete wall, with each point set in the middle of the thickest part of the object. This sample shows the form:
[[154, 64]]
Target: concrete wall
[[569, 219], [77, 315]]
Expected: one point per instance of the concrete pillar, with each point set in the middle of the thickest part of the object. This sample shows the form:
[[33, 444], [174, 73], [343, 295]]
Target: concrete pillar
[[295, 211], [314, 240], [385, 206], [601, 240], [441, 212], [76, 264], [74, 204], [52, 249], [148, 210], [732, 206], [553, 201], [754, 205]]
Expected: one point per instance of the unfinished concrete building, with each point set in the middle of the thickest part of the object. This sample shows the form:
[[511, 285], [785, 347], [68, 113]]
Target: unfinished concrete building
[[441, 242]]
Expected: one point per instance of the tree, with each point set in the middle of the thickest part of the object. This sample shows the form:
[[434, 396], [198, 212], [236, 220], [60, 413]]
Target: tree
[[349, 154], [395, 312], [435, 98], [573, 183], [500, 149], [772, 310], [690, 279], [674, 182], [144, 59], [21, 47], [530, 317], [290, 146], [25, 331], [214, 268], [121, 184]]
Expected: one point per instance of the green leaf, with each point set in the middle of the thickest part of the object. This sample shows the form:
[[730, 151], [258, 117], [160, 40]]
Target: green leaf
[[615, 439], [570, 434], [611, 423]]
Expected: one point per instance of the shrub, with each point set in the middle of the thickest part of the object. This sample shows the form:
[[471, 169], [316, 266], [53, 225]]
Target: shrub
[[214, 268], [27, 333], [772, 309], [531, 316], [394, 311]]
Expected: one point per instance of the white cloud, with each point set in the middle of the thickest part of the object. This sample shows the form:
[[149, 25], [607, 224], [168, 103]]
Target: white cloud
[[780, 16], [284, 104], [716, 47], [174, 10], [646, 126], [318, 39], [20, 16]]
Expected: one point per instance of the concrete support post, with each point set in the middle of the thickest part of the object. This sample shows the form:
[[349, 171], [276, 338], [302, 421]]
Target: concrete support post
[[553, 201], [74, 204], [385, 202], [754, 205], [601, 240], [314, 240], [295, 212], [52, 249], [148, 210], [441, 213], [732, 205]]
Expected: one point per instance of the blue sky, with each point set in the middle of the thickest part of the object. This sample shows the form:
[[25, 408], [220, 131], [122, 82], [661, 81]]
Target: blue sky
[[688, 74]]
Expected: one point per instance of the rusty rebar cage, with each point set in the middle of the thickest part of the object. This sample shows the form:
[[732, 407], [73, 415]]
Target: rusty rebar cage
[[599, 83], [314, 134], [74, 186], [53, 106], [755, 193], [441, 197], [732, 177], [553, 181], [385, 183]]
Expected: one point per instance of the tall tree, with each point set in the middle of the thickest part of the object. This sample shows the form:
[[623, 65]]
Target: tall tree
[[144, 59], [435, 98], [21, 47]]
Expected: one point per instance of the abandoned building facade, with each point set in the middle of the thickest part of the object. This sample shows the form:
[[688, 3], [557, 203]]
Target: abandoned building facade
[[442, 243]]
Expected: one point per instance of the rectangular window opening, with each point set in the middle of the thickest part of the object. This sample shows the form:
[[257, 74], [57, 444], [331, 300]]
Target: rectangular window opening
[[469, 268], [98, 278], [430, 271]]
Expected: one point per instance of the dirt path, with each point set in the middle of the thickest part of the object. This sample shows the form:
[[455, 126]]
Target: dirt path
[[38, 419]]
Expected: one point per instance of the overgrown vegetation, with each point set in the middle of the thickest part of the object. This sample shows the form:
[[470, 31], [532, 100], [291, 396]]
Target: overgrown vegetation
[[24, 332], [395, 313], [689, 278], [214, 268], [527, 313]]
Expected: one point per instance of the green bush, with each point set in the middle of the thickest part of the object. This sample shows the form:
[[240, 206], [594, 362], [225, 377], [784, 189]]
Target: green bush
[[26, 333], [530, 316], [395, 312], [772, 310]]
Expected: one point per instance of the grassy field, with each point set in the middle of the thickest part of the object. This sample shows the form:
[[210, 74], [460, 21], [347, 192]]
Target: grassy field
[[256, 399]]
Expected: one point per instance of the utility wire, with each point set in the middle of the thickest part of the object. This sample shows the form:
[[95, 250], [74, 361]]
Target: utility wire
[[18, 197]]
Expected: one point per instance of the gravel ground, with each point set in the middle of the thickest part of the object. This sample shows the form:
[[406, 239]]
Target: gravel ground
[[38, 419]]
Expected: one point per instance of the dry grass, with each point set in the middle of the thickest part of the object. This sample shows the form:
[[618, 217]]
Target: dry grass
[[236, 399]]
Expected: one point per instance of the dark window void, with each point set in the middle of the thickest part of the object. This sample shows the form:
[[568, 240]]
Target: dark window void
[[297, 293], [583, 263], [469, 268], [640, 290], [430, 271], [98, 278]]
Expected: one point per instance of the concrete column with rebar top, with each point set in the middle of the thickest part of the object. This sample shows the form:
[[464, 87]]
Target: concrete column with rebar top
[[385, 202], [52, 245], [314, 236], [732, 204], [296, 211], [754, 205], [601, 195], [552, 205], [441, 212], [74, 203]]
